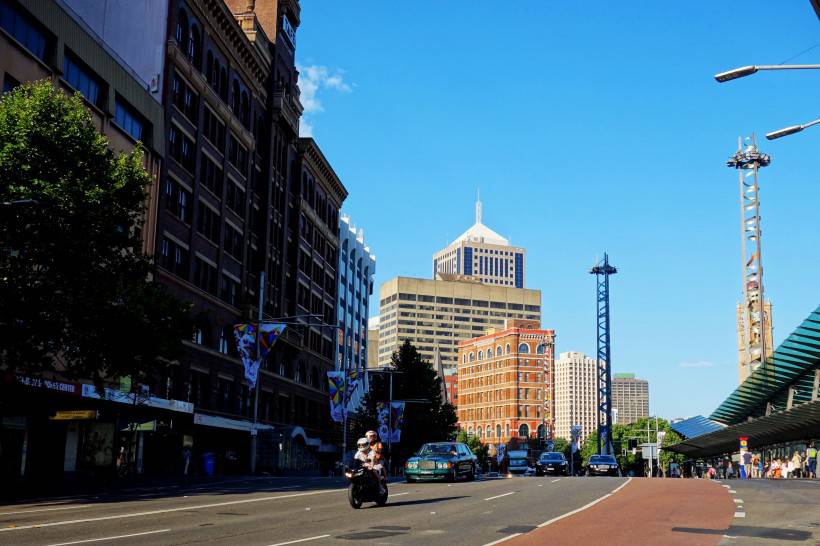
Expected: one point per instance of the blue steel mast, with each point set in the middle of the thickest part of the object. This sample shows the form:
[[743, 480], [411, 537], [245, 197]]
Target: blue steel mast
[[602, 271]]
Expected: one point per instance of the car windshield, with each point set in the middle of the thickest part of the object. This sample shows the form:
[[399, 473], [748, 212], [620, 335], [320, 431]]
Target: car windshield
[[436, 449], [518, 462], [599, 459], [557, 457]]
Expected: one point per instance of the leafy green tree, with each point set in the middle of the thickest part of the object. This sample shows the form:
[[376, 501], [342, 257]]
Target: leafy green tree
[[561, 445], [75, 288], [479, 449], [426, 417], [621, 433]]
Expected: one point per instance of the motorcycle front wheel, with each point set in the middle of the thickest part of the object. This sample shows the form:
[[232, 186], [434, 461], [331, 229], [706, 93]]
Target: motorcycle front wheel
[[354, 497]]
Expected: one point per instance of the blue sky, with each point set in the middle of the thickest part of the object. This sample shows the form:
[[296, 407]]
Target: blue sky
[[589, 127]]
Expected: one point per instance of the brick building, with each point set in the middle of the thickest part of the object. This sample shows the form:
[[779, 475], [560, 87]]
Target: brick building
[[505, 383]]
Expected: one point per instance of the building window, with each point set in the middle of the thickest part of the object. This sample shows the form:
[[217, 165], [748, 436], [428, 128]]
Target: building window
[[21, 28], [211, 175], [205, 275], [237, 154], [507, 349], [523, 348], [213, 129], [233, 242], [174, 257], [129, 120], [235, 198], [185, 100], [207, 222], [177, 200], [194, 49], [230, 290], [81, 79], [181, 148], [223, 343], [524, 430]]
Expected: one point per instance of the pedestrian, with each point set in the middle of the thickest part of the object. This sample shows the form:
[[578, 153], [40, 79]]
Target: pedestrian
[[811, 458], [797, 462], [756, 466], [787, 468], [747, 464]]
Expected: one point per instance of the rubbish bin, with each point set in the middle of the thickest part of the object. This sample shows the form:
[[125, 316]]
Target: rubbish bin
[[208, 463]]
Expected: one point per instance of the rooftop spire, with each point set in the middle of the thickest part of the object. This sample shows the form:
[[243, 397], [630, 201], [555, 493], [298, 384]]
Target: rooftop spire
[[478, 208]]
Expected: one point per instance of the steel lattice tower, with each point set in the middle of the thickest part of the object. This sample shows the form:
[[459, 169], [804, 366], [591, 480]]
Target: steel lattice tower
[[752, 316], [602, 271]]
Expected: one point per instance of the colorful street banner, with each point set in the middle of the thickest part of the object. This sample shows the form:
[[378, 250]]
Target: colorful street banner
[[346, 393], [246, 337], [393, 432], [336, 387], [500, 452]]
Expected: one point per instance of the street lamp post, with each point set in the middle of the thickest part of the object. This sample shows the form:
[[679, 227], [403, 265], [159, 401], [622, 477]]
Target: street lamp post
[[791, 130], [744, 71]]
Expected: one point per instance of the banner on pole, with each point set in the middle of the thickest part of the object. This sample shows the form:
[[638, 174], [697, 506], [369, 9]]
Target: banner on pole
[[336, 387], [246, 337], [346, 393], [500, 451], [396, 416]]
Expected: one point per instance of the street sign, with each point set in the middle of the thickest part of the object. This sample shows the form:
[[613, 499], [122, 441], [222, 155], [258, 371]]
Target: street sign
[[74, 415]]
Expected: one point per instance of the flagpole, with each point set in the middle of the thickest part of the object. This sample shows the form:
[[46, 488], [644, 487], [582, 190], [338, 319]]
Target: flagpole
[[259, 369]]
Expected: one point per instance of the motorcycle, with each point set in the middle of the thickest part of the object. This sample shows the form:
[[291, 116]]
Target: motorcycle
[[364, 488]]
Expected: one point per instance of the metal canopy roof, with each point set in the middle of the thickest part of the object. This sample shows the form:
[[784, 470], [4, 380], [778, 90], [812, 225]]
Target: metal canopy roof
[[696, 426], [797, 355], [799, 423]]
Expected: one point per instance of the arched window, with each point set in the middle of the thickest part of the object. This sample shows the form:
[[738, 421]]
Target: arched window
[[223, 342], [314, 378], [223, 84], [523, 348], [301, 372], [245, 110], [498, 351], [498, 431], [209, 67], [181, 30], [464, 359], [479, 431], [540, 349], [235, 97], [490, 352], [489, 432], [197, 336], [194, 48], [524, 430], [481, 355], [508, 429], [542, 431], [470, 430], [472, 357]]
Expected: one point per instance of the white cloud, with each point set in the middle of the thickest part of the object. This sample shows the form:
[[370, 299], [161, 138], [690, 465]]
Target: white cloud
[[313, 81], [697, 364]]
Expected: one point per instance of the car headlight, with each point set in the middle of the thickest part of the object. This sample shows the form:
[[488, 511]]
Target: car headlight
[[412, 464], [444, 465]]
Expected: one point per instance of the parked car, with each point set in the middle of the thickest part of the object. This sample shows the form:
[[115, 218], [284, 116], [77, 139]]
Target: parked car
[[551, 462], [518, 462], [441, 461], [602, 465]]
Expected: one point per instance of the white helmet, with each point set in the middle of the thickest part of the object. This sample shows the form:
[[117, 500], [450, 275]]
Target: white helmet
[[362, 444]]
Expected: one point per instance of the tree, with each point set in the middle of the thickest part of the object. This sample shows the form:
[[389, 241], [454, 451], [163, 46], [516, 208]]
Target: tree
[[561, 445], [479, 449], [426, 418], [75, 292]]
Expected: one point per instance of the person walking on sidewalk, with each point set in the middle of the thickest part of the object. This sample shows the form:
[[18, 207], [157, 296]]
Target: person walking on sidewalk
[[811, 459], [797, 463], [747, 464]]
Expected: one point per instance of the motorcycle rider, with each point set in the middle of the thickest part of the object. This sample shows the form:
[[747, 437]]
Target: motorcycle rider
[[376, 458], [362, 450]]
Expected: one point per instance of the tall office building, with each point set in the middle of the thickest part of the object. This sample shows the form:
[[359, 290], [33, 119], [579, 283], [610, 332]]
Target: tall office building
[[373, 342], [439, 313], [576, 394], [630, 397], [505, 383], [481, 254], [357, 266]]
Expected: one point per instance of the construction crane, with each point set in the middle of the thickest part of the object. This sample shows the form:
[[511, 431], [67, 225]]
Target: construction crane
[[754, 326], [602, 270]]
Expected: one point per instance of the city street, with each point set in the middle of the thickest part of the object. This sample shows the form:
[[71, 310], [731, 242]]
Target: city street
[[295, 510]]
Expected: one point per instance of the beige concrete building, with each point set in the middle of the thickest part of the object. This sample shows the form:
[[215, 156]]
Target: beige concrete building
[[483, 255], [373, 342], [439, 313], [630, 398], [576, 394]]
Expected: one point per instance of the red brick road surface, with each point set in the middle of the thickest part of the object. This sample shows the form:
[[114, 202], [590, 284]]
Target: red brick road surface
[[657, 511]]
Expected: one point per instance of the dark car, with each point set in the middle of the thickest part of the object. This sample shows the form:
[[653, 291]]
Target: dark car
[[441, 461], [602, 465], [551, 462]]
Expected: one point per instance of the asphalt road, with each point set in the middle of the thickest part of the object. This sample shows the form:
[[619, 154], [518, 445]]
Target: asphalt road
[[282, 511]]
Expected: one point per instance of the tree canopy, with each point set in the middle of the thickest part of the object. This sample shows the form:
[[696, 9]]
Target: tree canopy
[[621, 433], [427, 418], [75, 292]]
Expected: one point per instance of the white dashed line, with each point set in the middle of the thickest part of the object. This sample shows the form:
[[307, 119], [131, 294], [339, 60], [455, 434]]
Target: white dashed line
[[499, 496], [500, 540], [732, 491], [740, 514], [111, 538], [299, 540], [558, 480], [738, 501]]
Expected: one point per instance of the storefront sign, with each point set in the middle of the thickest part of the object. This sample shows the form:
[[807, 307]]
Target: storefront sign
[[49, 384], [74, 415], [112, 395], [744, 442]]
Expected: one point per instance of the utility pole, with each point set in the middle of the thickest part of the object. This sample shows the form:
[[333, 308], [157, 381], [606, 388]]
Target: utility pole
[[259, 375], [602, 271]]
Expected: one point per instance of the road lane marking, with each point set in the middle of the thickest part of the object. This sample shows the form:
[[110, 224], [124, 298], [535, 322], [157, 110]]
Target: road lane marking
[[168, 510], [726, 486], [111, 538], [732, 491], [499, 496], [740, 514], [300, 540], [558, 480], [500, 540], [581, 509], [400, 494], [738, 501]]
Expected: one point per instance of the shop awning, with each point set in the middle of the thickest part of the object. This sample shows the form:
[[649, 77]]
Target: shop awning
[[802, 422]]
